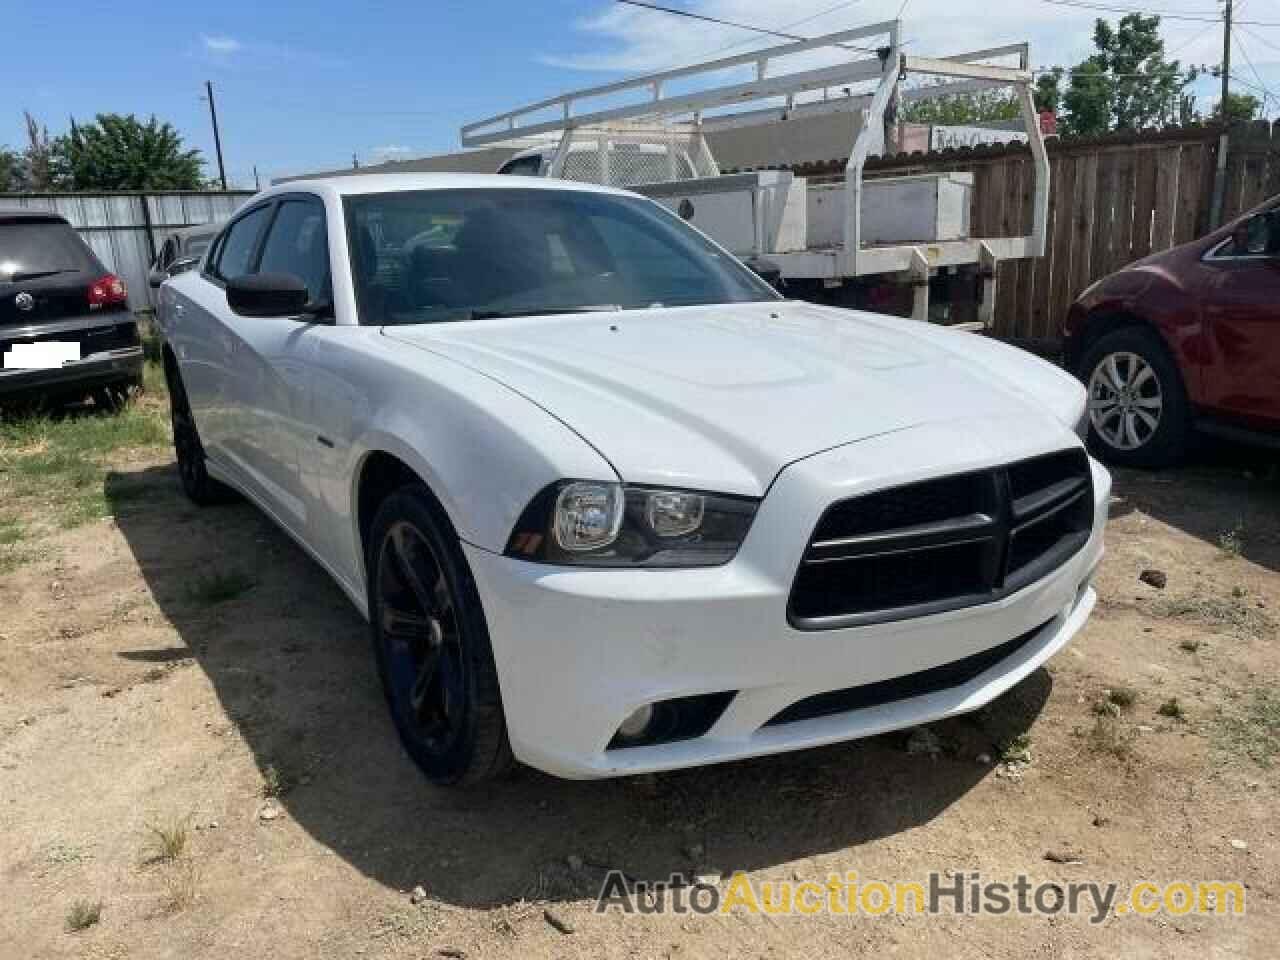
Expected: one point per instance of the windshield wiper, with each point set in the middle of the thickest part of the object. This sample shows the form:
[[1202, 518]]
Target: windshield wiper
[[543, 311]]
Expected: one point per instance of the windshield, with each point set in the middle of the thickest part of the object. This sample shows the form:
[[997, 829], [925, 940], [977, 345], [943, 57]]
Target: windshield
[[38, 248], [435, 256]]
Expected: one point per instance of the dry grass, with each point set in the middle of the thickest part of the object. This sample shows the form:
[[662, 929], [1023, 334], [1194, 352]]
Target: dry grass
[[57, 463], [1115, 701], [83, 914], [1111, 738], [168, 840], [1017, 750], [181, 886], [1231, 542], [275, 782], [1255, 730], [1234, 613]]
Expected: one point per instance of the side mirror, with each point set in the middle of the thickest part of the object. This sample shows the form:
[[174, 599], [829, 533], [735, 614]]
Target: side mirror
[[182, 265], [268, 295], [156, 277]]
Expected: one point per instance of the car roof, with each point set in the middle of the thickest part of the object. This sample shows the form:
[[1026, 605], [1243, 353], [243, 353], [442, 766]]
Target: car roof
[[17, 214], [361, 184]]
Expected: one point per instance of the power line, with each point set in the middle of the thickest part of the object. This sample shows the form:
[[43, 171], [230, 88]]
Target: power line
[[675, 11], [1266, 92], [1261, 39], [1195, 37], [785, 26], [1189, 16], [1250, 84]]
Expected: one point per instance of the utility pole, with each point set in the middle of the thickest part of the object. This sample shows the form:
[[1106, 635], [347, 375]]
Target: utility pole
[[256, 186], [1220, 175], [217, 140], [1226, 60]]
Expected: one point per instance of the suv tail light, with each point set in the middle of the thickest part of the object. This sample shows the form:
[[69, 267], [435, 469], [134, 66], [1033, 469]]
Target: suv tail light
[[107, 290]]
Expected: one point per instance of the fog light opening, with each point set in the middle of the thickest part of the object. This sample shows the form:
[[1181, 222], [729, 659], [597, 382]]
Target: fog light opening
[[636, 725], [665, 721]]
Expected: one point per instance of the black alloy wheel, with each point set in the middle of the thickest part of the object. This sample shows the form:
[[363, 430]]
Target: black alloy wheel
[[432, 645]]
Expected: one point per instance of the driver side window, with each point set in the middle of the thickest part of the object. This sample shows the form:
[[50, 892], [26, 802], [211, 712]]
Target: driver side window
[[236, 250], [298, 244], [1259, 236]]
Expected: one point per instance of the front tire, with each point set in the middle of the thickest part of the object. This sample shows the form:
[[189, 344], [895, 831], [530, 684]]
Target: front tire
[[432, 644], [1138, 409]]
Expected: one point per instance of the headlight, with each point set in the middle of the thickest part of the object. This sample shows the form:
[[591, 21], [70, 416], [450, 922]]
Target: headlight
[[587, 516], [597, 524]]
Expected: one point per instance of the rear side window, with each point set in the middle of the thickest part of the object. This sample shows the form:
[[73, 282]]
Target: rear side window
[[39, 248], [235, 259], [298, 244], [523, 166], [198, 244]]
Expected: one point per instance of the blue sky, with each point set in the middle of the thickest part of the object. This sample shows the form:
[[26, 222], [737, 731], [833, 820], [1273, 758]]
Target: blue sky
[[301, 87]]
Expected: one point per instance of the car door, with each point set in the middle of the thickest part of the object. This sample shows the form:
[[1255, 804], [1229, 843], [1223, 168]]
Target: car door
[[261, 364], [208, 339], [1242, 314], [280, 351]]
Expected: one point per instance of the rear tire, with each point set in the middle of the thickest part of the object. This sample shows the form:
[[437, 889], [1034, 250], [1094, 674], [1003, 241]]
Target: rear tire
[[200, 488], [1138, 408], [432, 644]]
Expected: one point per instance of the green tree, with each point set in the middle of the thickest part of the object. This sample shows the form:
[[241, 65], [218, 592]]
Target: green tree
[[962, 109], [1127, 84], [10, 170], [43, 166], [1048, 91], [118, 152], [1088, 101], [1240, 108]]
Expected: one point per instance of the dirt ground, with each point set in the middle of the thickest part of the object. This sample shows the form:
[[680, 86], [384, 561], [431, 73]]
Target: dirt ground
[[165, 670]]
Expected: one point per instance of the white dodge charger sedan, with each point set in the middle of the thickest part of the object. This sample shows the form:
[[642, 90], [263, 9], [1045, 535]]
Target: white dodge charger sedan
[[609, 503]]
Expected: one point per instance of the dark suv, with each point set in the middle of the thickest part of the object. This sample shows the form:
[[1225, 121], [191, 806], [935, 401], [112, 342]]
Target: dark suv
[[1186, 340], [65, 324]]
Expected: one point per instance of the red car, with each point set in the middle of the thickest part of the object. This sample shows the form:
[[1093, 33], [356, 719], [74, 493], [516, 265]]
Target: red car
[[1185, 340]]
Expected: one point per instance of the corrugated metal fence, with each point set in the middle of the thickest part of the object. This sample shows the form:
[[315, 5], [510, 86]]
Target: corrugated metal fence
[[126, 229]]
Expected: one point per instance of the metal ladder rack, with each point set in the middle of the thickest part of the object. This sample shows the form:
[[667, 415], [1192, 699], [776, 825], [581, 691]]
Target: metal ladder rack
[[708, 103]]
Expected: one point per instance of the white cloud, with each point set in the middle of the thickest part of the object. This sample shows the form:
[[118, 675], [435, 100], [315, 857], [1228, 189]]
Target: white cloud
[[390, 152], [630, 40], [221, 45]]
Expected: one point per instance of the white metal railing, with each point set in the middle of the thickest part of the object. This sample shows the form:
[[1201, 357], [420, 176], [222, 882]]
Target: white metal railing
[[522, 121], [647, 98]]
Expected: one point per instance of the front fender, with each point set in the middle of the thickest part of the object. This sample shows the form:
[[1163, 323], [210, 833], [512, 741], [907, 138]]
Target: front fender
[[482, 449]]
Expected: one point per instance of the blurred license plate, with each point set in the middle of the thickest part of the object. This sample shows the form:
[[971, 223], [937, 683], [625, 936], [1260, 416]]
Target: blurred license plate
[[41, 356]]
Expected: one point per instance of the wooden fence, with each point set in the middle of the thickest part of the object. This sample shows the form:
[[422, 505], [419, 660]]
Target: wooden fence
[[1114, 200]]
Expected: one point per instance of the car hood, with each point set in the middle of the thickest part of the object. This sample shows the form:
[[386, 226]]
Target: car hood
[[723, 397]]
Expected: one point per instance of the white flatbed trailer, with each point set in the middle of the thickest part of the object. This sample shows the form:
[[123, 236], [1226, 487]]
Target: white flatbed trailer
[[902, 229]]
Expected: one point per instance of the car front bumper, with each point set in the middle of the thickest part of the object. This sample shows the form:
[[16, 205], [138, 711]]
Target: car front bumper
[[578, 650]]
